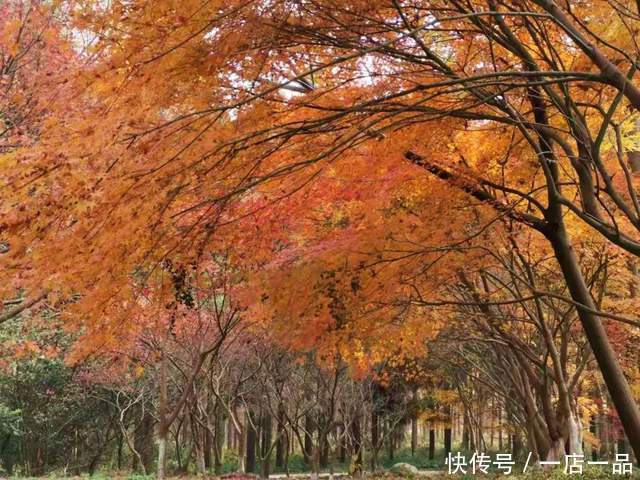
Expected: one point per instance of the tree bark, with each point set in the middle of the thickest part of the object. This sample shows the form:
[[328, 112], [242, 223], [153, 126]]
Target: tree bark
[[375, 440], [280, 446], [250, 465], [516, 445], [414, 435], [552, 227], [342, 448], [391, 432], [447, 440], [265, 450], [142, 446], [208, 447], [162, 455], [597, 336], [432, 443], [163, 424], [324, 452], [308, 439], [356, 434]]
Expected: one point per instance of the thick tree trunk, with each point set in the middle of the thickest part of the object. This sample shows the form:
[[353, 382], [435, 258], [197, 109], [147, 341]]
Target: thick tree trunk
[[279, 453], [574, 426], [250, 465], [217, 460], [315, 462], [356, 435], [143, 443], [218, 439], [414, 436], [119, 451], [432, 443], [265, 450], [447, 440], [200, 462], [309, 428], [288, 448], [342, 449], [556, 452], [324, 453], [597, 336], [593, 430], [231, 435], [241, 437], [466, 431], [516, 445], [162, 455], [208, 447]]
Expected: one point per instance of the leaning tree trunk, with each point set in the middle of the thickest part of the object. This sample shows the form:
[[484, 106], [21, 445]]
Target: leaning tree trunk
[[597, 336]]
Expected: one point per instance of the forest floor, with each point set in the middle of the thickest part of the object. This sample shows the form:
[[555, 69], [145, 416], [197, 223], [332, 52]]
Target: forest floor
[[421, 473], [432, 474]]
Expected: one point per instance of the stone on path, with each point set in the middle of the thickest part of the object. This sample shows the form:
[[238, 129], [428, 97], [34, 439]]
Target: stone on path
[[404, 469]]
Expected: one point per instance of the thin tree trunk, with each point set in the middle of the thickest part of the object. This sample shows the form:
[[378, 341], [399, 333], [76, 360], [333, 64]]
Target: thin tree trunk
[[391, 440], [282, 438], [375, 440], [119, 454], [162, 424]]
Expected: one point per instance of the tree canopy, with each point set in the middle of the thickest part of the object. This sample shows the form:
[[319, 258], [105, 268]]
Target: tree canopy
[[364, 183]]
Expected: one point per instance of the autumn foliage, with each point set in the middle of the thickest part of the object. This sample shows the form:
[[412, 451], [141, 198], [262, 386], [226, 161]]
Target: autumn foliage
[[378, 188]]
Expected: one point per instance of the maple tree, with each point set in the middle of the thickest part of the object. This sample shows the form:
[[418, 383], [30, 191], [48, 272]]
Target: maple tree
[[353, 166]]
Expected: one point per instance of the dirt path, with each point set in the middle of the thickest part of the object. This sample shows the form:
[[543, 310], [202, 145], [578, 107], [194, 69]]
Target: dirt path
[[422, 473]]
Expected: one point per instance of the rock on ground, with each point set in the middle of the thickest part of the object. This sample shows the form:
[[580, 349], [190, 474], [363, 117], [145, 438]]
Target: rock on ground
[[404, 469]]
